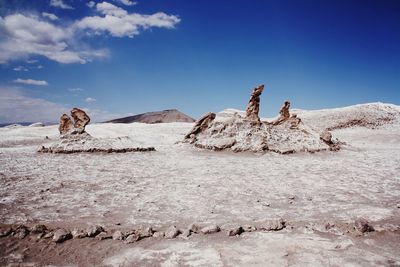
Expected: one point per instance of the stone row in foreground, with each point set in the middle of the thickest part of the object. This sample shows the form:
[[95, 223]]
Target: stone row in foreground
[[95, 150], [358, 228]]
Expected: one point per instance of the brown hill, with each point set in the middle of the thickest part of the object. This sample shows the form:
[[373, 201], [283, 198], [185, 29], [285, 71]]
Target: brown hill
[[169, 115]]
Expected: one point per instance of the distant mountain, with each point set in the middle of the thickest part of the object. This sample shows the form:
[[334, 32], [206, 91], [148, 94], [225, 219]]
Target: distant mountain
[[169, 115]]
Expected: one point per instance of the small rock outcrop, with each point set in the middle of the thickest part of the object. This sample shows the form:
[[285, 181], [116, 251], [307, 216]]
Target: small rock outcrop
[[253, 107], [284, 114], [201, 124]]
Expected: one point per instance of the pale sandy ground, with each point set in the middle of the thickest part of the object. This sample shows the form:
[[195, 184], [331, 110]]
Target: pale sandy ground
[[179, 185]]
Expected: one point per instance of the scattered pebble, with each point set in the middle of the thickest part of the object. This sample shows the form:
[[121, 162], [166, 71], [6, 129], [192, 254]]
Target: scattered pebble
[[194, 228], [61, 235], [273, 225], [172, 232], [21, 232], [132, 238], [210, 229], [117, 235], [78, 233], [147, 232], [362, 226], [158, 235], [235, 231], [185, 233], [38, 229], [48, 235], [103, 236], [94, 230], [5, 231], [249, 228]]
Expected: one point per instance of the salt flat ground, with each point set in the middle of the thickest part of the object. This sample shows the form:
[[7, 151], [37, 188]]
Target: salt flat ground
[[179, 185]]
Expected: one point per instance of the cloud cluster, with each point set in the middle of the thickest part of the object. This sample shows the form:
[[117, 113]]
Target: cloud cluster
[[126, 2], [29, 35], [20, 68], [119, 23], [60, 4], [25, 35], [49, 16], [31, 82]]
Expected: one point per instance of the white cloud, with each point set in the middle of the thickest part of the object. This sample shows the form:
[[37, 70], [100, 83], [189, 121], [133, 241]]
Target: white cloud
[[49, 16], [60, 4], [117, 22], [31, 82], [39, 67], [91, 4], [24, 36], [20, 68], [90, 100], [17, 106], [28, 35], [109, 9], [31, 61], [77, 89], [126, 2]]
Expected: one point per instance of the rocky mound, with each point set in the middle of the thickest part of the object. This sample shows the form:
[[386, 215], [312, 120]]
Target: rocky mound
[[370, 115], [165, 116], [74, 138], [238, 132]]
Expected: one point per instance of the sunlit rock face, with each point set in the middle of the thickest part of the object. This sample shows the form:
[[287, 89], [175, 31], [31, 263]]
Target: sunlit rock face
[[253, 107], [77, 126]]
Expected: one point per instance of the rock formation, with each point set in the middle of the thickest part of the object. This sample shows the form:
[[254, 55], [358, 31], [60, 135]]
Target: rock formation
[[201, 124], [81, 119], [283, 113], [254, 104], [66, 124], [74, 139], [237, 133]]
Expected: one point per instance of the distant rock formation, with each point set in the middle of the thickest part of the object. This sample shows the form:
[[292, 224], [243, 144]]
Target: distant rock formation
[[235, 132], [74, 138], [81, 119], [36, 124], [201, 124], [165, 116], [254, 104], [371, 115], [283, 113]]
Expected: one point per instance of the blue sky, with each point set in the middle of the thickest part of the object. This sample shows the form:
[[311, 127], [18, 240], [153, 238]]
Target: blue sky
[[122, 57]]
